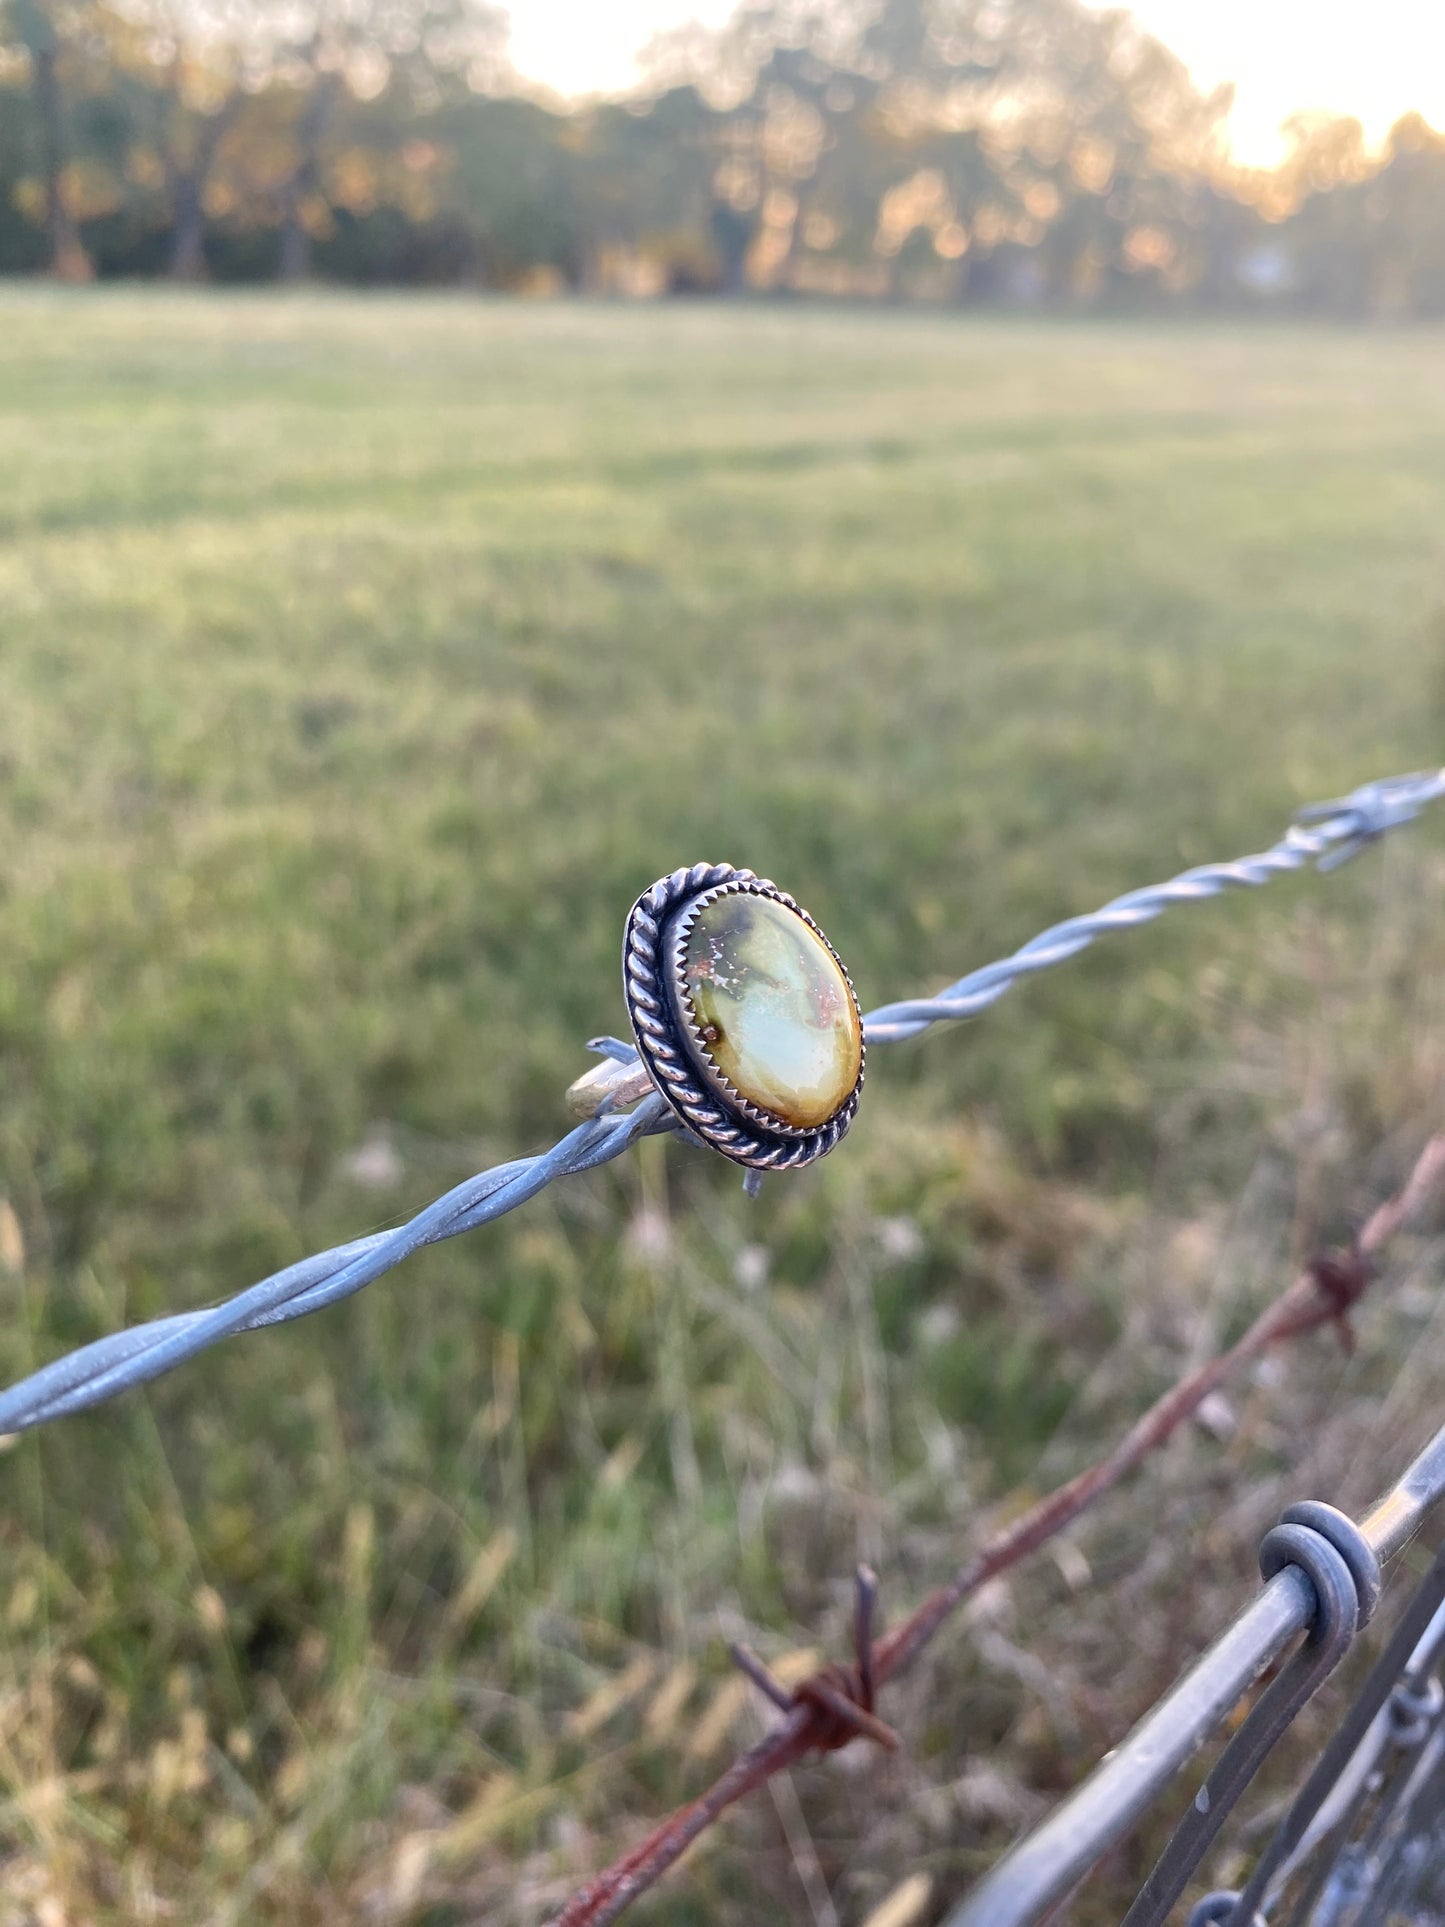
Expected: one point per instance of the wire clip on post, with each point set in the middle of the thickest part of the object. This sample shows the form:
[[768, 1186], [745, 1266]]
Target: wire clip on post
[[1341, 1566]]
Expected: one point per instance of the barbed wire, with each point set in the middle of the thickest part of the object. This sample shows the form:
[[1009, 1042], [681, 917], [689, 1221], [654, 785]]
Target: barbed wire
[[1324, 834], [838, 1703]]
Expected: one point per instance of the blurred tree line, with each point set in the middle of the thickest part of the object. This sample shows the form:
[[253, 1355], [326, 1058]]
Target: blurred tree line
[[944, 150]]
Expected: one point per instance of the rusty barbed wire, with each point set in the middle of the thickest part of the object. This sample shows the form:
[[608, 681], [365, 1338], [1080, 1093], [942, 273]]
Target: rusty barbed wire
[[1324, 834], [837, 1704]]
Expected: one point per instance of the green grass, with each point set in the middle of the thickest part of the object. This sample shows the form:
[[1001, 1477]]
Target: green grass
[[359, 661]]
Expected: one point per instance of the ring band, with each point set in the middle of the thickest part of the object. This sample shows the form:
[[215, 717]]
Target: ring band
[[609, 1083]]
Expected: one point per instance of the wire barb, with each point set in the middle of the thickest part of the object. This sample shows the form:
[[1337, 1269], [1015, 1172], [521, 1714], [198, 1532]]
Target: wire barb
[[1368, 812], [865, 1607], [840, 1700], [747, 1661]]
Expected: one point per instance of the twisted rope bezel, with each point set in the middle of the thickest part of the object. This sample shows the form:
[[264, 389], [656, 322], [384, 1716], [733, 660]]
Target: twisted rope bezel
[[706, 1102]]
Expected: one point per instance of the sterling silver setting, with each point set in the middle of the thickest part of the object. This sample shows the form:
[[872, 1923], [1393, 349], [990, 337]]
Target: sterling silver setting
[[674, 1050]]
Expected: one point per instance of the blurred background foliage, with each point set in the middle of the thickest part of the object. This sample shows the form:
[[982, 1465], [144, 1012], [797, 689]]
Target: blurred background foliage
[[952, 151]]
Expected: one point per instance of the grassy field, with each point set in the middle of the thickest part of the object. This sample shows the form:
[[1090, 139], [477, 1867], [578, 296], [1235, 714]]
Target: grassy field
[[359, 661]]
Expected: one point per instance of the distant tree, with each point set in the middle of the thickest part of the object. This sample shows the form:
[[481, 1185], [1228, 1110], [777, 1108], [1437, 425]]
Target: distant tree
[[196, 66], [645, 191], [1331, 239], [204, 96], [1058, 130], [508, 190], [47, 32], [955, 141], [970, 150], [266, 81], [780, 116], [1405, 203], [329, 50]]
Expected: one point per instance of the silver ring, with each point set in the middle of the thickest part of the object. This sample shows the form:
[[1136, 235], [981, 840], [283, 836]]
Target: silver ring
[[744, 1016]]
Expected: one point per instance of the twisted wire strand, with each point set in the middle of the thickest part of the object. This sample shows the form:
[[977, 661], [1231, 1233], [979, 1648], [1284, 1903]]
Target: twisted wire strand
[[1326, 835], [113, 1364]]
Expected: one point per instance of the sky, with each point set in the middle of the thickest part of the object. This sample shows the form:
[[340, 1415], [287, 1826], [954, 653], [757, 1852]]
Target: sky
[[1284, 56]]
